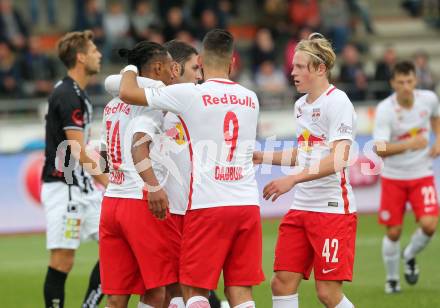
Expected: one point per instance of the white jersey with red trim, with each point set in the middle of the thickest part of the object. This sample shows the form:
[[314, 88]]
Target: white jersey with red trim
[[329, 118], [394, 124], [121, 121], [219, 118], [173, 150]]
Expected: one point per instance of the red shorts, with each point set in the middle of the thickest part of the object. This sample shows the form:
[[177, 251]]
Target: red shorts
[[222, 238], [175, 229], [420, 193], [134, 255], [323, 241]]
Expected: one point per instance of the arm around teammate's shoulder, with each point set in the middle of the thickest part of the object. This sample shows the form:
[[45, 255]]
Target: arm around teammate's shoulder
[[130, 92]]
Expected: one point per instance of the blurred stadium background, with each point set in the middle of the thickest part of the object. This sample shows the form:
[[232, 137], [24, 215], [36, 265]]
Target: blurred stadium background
[[369, 36]]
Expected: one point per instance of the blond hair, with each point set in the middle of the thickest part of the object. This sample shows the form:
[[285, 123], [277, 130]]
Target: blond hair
[[320, 51], [71, 44]]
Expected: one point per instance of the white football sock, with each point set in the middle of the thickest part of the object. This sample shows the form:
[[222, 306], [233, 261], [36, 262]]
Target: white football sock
[[344, 303], [142, 305], [198, 302], [289, 301], [419, 240], [391, 257], [177, 302], [248, 304]]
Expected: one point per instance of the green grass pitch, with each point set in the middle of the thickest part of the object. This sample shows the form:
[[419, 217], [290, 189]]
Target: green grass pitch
[[23, 262]]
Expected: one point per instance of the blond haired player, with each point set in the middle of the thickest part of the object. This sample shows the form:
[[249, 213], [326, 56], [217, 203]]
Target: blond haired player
[[319, 231], [402, 128]]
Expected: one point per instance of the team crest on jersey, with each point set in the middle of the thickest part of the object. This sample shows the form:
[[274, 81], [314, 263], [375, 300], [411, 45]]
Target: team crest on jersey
[[177, 133], [316, 114]]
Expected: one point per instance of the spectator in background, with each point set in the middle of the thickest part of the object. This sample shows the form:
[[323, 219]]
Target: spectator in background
[[35, 6], [335, 18], [304, 13], [352, 74], [10, 79], [174, 23], [361, 11], [269, 78], [116, 27], [38, 70], [222, 9], [156, 35], [166, 5], [208, 21], [263, 48], [289, 51], [425, 78], [187, 37], [12, 26], [141, 21], [93, 19], [383, 72]]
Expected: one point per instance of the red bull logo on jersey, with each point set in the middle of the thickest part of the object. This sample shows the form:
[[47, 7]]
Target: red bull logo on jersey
[[120, 107], [177, 134], [209, 100], [411, 133], [306, 140]]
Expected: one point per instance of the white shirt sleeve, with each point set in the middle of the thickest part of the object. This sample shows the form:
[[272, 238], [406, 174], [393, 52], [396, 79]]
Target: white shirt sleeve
[[382, 125], [147, 121], [113, 82], [341, 118], [175, 98]]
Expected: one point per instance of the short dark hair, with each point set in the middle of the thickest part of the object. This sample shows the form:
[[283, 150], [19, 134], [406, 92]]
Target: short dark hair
[[181, 52], [71, 44], [143, 53], [219, 44], [404, 68]]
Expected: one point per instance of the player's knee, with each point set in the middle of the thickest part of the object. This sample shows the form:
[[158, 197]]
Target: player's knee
[[116, 301], [282, 285], [238, 294], [325, 296], [394, 233], [62, 262], [429, 228], [154, 296]]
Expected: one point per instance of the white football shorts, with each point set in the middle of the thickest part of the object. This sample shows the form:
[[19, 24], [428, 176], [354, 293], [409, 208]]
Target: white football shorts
[[72, 216]]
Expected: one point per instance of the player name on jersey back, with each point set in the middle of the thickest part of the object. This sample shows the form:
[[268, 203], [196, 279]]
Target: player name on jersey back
[[219, 118]]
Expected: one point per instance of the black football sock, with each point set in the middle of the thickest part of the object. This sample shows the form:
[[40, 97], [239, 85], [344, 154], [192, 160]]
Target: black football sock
[[54, 288], [94, 292]]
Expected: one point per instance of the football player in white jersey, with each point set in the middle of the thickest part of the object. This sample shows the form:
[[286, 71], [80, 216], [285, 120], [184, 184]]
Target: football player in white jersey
[[403, 125], [132, 242], [319, 231], [222, 229]]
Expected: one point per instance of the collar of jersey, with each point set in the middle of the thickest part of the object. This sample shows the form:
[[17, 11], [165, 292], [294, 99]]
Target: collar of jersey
[[221, 80]]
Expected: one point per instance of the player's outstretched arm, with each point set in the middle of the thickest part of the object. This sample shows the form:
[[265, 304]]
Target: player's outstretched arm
[[130, 91], [435, 124], [334, 162], [279, 158], [157, 198], [385, 149], [75, 138]]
